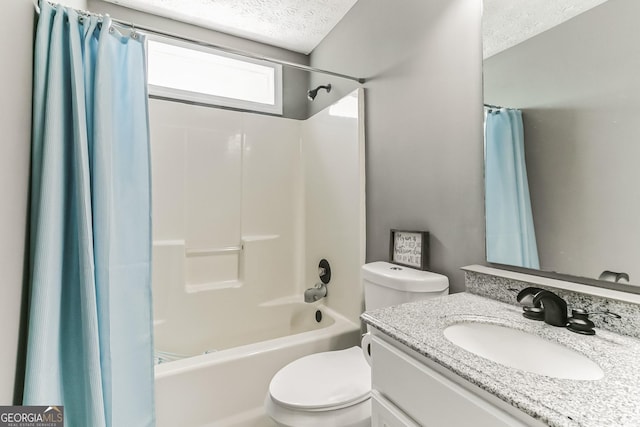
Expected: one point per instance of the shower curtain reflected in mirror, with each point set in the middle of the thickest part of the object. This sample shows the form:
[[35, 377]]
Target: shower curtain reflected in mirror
[[510, 232]]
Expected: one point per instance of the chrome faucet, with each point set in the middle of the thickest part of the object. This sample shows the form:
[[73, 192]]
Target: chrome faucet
[[315, 293]]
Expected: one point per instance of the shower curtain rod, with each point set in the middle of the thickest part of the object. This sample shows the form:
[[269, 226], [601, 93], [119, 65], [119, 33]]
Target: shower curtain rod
[[227, 49], [240, 52]]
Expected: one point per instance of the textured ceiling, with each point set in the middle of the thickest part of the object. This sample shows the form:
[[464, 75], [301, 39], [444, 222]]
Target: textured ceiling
[[298, 25], [506, 23]]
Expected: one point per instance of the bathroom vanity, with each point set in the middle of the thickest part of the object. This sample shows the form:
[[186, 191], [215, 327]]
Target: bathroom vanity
[[421, 378], [405, 382]]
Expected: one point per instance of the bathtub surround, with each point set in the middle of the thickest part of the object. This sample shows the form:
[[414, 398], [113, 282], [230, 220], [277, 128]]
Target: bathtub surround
[[226, 209], [90, 339], [245, 206], [504, 285], [333, 150]]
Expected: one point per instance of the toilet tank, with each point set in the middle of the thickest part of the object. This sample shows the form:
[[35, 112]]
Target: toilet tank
[[388, 284]]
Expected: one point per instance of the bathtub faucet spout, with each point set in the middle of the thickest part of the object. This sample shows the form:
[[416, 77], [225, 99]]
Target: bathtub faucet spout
[[315, 293]]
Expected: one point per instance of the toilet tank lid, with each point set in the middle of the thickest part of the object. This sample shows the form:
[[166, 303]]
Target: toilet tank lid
[[404, 278]]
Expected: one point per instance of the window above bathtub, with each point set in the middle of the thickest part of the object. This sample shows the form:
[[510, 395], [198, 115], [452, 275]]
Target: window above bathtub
[[190, 72]]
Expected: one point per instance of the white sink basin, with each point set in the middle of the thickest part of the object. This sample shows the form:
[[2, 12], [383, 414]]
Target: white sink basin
[[522, 350]]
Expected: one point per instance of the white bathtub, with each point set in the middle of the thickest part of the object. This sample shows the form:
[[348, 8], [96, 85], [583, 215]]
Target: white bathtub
[[227, 388]]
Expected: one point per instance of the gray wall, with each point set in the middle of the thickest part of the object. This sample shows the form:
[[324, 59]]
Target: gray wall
[[295, 82], [578, 86], [16, 40], [424, 150]]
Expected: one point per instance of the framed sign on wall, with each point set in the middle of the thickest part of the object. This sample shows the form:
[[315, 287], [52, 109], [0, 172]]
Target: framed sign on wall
[[409, 248]]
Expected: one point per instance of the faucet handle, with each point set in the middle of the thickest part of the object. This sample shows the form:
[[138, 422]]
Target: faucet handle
[[533, 313], [525, 296], [603, 312], [580, 323]]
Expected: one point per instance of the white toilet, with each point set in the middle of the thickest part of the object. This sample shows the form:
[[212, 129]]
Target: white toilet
[[332, 389]]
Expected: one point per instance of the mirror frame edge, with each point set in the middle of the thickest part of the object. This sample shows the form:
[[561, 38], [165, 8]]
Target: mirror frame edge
[[621, 287]]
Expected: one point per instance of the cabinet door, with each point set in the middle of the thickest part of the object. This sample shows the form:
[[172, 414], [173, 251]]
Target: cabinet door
[[385, 414], [427, 396]]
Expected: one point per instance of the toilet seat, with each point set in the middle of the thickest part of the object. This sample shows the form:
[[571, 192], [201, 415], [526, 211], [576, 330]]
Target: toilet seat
[[323, 381]]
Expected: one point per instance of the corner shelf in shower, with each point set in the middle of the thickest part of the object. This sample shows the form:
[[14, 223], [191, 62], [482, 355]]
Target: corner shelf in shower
[[237, 251], [228, 250], [259, 237], [213, 251], [213, 286]]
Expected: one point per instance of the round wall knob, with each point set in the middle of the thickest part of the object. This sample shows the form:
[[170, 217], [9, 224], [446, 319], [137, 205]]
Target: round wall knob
[[324, 271]]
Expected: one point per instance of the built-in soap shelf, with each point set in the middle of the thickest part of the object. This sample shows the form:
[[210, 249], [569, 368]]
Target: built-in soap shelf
[[208, 268], [212, 251], [219, 268], [198, 252], [213, 286], [260, 237]]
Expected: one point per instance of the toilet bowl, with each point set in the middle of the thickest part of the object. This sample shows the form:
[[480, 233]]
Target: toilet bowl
[[324, 389], [333, 388]]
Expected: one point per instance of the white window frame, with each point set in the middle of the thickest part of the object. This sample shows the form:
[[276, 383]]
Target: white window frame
[[207, 99]]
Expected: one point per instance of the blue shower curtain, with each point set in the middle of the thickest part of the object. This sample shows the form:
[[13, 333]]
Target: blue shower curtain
[[90, 325], [511, 236]]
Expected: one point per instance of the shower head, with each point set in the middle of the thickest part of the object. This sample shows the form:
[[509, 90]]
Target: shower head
[[311, 95]]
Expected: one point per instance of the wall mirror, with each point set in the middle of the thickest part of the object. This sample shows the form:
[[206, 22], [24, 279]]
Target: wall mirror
[[563, 196]]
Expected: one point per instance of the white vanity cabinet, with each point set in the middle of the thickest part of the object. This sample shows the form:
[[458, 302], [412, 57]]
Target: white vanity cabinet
[[409, 393]]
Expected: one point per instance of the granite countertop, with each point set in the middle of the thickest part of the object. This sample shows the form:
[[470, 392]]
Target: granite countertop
[[613, 400]]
